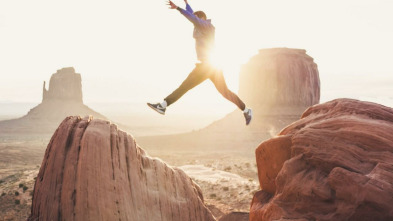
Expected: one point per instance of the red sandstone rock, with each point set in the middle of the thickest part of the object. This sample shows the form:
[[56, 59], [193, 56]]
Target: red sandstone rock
[[270, 157], [93, 171], [340, 165]]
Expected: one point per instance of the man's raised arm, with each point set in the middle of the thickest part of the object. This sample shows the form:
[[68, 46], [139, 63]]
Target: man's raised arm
[[188, 7], [190, 16]]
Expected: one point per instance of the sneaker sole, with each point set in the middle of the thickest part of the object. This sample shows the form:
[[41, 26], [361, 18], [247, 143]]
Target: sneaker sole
[[157, 110], [247, 123]]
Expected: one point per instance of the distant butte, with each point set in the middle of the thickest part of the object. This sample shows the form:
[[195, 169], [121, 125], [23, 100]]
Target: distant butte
[[281, 78], [65, 85], [63, 98]]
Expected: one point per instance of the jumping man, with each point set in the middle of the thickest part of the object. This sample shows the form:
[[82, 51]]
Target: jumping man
[[204, 40]]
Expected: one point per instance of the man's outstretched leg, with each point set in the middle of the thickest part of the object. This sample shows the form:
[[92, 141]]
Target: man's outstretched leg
[[217, 77], [197, 76]]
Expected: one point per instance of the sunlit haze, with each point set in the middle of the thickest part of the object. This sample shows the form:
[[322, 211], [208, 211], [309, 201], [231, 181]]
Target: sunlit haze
[[140, 51]]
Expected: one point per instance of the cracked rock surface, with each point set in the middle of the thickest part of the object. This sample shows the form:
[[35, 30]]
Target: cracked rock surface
[[335, 163], [93, 171]]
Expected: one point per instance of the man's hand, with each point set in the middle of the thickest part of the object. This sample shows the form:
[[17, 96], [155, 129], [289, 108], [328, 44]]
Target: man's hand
[[172, 5], [186, 1]]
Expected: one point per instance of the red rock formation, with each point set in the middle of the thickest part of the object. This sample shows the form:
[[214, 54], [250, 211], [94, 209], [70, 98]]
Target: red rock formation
[[93, 171], [339, 166], [280, 76]]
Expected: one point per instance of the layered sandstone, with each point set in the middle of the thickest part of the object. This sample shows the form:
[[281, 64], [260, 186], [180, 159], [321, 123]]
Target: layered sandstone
[[335, 163], [93, 171]]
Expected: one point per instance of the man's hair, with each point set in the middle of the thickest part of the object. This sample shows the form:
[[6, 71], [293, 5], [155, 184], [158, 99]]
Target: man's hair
[[200, 14]]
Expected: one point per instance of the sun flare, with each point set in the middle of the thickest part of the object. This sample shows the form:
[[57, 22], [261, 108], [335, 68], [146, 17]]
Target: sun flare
[[217, 59]]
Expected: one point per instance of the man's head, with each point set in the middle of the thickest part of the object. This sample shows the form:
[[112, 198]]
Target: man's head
[[200, 14]]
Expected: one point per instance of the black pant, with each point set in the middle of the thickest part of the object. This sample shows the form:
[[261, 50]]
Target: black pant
[[201, 72]]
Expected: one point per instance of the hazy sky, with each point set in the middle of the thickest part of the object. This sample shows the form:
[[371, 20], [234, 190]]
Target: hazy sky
[[139, 51]]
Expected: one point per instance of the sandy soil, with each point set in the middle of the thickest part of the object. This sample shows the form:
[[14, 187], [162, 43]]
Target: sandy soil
[[20, 159]]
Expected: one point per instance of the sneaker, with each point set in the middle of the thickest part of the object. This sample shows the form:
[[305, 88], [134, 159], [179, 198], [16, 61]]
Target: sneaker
[[248, 116], [157, 107]]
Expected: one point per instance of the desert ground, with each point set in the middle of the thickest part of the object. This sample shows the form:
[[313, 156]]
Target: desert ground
[[20, 160]]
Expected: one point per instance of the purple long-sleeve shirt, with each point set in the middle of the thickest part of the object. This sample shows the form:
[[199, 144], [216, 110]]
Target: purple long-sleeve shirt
[[204, 33]]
